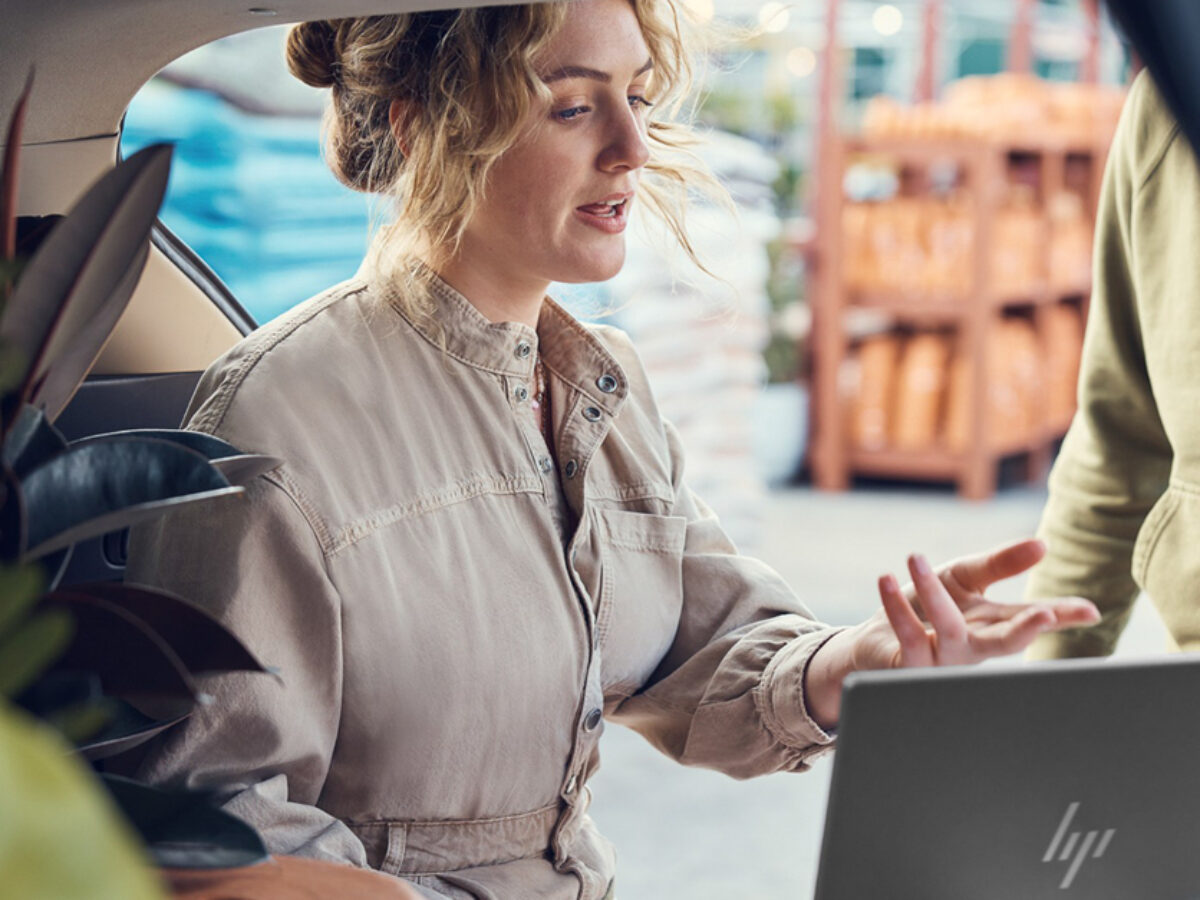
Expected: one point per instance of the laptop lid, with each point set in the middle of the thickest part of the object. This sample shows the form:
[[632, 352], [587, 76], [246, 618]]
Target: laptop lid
[[1053, 780]]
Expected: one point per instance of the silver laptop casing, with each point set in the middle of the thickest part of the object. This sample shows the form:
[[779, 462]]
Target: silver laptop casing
[[1074, 780]]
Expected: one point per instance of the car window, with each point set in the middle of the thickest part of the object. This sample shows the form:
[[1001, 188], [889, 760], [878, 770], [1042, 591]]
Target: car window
[[249, 192]]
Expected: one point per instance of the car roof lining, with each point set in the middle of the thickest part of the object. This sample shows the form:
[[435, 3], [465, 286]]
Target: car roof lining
[[91, 58]]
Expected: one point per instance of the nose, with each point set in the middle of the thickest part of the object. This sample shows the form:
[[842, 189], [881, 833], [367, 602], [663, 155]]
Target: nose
[[626, 149]]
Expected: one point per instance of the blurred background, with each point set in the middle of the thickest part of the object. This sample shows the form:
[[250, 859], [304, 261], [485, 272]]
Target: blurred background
[[886, 364]]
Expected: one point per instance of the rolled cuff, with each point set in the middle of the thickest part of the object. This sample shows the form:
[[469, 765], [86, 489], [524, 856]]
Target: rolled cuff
[[780, 694]]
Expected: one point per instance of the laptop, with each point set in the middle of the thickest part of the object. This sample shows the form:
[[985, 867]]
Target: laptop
[[1074, 779]]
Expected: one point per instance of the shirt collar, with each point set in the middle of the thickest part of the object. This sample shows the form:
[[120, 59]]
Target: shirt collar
[[568, 349]]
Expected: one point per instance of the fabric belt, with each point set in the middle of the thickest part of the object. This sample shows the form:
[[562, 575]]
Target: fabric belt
[[431, 848]]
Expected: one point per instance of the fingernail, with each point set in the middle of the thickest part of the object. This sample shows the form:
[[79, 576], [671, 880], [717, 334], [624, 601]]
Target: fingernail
[[920, 564], [888, 583]]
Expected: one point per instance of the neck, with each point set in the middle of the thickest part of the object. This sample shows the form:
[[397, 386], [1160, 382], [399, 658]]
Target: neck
[[500, 296]]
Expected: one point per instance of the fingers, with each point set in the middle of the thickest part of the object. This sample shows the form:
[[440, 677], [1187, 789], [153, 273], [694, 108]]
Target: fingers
[[977, 573], [915, 649], [1072, 612], [1014, 634], [942, 612]]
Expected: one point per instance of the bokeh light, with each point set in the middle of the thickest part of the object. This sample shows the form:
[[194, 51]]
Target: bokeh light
[[773, 17], [702, 10], [887, 19], [801, 61]]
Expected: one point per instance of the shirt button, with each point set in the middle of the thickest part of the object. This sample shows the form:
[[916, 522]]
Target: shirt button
[[524, 348], [591, 413], [521, 393], [571, 468], [606, 383], [571, 784], [592, 721], [546, 464]]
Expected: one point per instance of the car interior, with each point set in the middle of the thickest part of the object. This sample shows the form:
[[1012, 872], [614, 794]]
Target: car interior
[[89, 60]]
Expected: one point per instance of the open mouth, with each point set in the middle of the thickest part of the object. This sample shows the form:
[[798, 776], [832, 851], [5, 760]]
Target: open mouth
[[610, 215], [609, 209]]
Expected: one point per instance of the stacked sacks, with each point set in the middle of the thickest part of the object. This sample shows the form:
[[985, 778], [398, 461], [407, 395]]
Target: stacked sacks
[[925, 246], [997, 107], [913, 392], [701, 339]]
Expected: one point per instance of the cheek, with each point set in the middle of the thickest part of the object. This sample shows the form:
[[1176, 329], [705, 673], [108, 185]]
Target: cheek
[[541, 182]]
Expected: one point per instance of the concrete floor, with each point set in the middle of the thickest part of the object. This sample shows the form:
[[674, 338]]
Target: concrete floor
[[695, 834]]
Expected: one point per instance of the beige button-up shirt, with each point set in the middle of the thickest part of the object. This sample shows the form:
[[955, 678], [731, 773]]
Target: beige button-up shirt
[[450, 642]]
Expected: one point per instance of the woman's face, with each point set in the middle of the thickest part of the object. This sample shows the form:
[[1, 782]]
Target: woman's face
[[557, 203]]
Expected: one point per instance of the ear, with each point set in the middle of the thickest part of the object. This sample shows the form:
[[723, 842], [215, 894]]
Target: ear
[[399, 118]]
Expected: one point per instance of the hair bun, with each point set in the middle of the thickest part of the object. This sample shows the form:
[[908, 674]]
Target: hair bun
[[312, 54]]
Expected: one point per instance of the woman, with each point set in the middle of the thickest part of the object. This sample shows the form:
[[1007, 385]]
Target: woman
[[480, 545]]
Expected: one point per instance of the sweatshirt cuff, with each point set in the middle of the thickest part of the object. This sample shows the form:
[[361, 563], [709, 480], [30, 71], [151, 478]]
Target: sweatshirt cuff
[[781, 691]]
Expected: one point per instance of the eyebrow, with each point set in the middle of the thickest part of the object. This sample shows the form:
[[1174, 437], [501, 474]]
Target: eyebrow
[[593, 74]]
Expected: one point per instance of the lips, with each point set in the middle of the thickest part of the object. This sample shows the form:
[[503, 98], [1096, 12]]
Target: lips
[[603, 209], [609, 215]]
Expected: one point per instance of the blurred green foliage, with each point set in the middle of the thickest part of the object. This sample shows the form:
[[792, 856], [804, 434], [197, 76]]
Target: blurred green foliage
[[60, 838]]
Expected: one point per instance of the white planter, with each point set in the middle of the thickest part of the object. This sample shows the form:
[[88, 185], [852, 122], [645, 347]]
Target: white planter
[[780, 431]]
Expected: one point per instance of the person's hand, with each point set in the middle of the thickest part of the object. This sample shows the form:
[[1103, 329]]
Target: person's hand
[[942, 618]]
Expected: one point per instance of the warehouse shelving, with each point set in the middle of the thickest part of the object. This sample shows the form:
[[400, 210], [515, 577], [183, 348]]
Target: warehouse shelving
[[985, 170]]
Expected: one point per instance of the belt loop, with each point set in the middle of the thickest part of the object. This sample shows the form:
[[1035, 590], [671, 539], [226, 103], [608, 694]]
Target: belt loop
[[393, 861]]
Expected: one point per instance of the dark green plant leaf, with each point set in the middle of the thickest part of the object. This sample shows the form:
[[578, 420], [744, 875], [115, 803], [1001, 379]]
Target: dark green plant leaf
[[31, 648], [237, 467], [20, 588], [207, 445], [80, 723], [8, 173], [130, 659], [77, 344], [55, 565], [31, 440], [12, 516], [71, 702], [12, 363], [201, 642], [241, 470], [72, 278], [109, 484], [127, 728], [58, 690], [184, 830]]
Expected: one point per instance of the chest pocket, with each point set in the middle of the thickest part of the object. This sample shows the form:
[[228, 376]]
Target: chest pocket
[[637, 592]]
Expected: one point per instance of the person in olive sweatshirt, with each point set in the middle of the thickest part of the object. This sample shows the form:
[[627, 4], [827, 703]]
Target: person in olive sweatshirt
[[1124, 508]]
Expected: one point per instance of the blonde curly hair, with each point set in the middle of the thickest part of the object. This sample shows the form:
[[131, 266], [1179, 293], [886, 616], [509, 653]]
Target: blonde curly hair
[[467, 82]]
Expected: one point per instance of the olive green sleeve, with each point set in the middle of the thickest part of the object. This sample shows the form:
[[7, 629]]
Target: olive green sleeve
[[1115, 460]]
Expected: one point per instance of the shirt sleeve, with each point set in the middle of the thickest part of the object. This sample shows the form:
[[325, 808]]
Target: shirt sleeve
[[729, 693], [1115, 461], [262, 744]]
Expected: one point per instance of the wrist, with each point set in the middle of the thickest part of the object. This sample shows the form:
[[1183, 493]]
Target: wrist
[[823, 677]]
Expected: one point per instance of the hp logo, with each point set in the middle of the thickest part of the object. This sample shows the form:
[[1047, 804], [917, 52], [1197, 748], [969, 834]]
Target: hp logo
[[1079, 843]]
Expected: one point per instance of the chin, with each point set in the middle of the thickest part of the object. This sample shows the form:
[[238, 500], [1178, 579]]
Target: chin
[[594, 269]]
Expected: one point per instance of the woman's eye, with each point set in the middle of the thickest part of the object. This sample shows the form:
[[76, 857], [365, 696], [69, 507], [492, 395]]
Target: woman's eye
[[565, 115], [637, 101]]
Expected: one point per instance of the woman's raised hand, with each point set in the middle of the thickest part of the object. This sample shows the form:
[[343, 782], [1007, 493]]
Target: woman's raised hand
[[942, 618]]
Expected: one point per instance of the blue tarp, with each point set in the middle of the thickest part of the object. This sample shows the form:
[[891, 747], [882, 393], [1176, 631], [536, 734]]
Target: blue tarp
[[252, 196]]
